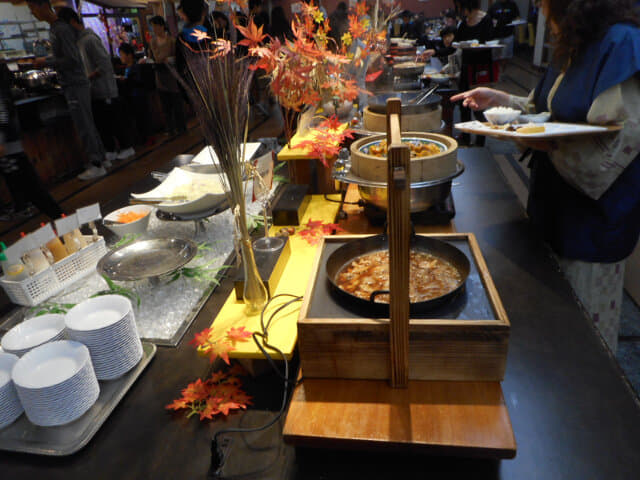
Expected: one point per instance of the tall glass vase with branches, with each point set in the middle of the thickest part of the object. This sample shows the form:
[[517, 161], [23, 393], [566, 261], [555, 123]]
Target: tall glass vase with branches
[[218, 87]]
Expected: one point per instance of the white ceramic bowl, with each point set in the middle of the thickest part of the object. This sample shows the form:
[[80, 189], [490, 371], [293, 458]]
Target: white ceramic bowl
[[10, 406], [501, 115], [33, 332], [106, 325], [56, 383], [7, 361], [122, 229], [50, 364], [97, 313], [535, 117]]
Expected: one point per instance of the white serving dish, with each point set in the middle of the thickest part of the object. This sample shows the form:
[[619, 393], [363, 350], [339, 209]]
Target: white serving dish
[[122, 229], [180, 183], [207, 156], [32, 333]]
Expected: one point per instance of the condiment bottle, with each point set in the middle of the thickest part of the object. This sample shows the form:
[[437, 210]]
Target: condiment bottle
[[53, 243], [10, 262], [33, 257], [65, 227]]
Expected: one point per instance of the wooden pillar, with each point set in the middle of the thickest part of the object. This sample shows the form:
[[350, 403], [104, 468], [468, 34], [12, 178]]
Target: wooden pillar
[[398, 178]]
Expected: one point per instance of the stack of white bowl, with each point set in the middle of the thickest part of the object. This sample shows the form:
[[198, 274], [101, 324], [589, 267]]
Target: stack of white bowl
[[32, 333], [10, 406], [106, 325], [56, 382]]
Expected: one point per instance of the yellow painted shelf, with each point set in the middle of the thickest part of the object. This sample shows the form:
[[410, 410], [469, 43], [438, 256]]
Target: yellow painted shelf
[[283, 332]]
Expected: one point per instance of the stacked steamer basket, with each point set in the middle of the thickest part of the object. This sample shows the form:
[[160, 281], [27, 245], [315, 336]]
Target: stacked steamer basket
[[106, 325], [10, 406], [56, 383]]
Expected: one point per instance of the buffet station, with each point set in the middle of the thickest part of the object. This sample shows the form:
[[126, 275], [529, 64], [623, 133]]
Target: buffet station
[[382, 308]]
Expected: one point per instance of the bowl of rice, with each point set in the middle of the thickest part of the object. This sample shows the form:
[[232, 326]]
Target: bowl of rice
[[501, 115]]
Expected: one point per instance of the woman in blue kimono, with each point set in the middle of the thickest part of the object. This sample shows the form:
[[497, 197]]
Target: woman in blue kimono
[[584, 194]]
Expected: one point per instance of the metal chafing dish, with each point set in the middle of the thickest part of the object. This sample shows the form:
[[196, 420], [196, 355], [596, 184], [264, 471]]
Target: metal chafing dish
[[423, 194]]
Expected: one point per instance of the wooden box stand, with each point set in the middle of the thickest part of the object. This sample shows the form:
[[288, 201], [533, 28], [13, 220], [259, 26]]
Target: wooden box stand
[[439, 349], [337, 406]]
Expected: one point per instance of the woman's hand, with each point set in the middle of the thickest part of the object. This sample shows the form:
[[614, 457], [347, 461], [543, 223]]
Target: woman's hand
[[482, 98]]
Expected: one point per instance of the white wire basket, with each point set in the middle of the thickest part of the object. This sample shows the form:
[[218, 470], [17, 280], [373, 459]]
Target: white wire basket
[[51, 281]]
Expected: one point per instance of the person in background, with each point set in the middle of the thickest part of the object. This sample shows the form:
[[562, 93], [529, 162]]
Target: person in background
[[21, 178], [193, 13], [450, 19], [76, 88], [339, 22], [502, 13], [107, 110], [584, 191], [280, 26], [406, 27], [163, 49], [477, 65], [135, 92], [441, 49]]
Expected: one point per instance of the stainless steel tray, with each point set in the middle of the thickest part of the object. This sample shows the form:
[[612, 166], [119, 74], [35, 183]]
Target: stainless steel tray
[[23, 436], [147, 258]]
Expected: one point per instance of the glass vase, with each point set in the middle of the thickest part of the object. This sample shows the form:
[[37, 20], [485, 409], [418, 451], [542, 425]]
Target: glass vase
[[255, 293]]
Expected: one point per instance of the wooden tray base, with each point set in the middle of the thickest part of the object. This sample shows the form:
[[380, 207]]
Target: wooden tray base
[[466, 419]]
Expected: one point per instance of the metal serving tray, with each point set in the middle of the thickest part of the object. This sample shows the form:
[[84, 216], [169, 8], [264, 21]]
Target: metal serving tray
[[23, 436]]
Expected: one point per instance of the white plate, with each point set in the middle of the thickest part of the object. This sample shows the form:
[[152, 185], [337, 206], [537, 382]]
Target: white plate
[[207, 156], [180, 183], [33, 332], [97, 313], [7, 361], [50, 364], [552, 130]]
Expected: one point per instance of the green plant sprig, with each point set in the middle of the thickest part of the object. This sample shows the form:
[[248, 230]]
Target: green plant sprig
[[115, 289], [59, 308], [200, 273], [126, 239]]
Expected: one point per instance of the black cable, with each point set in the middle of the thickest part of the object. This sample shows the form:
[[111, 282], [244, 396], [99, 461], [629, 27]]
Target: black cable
[[217, 456], [344, 202]]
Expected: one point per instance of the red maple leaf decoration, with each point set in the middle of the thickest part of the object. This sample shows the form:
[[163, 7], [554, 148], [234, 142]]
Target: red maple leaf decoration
[[201, 338], [238, 334], [332, 123], [220, 394], [252, 33]]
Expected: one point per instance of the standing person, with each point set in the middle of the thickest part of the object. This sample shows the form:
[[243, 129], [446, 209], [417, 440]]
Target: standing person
[[584, 194], [21, 178], [75, 85], [477, 65], [504, 12], [107, 110], [193, 13], [163, 49], [135, 91]]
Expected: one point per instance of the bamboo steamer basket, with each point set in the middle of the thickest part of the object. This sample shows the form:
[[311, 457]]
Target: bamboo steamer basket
[[443, 164], [426, 121]]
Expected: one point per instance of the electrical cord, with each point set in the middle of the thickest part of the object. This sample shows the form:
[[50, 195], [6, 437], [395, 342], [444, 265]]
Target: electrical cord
[[217, 455], [344, 202]]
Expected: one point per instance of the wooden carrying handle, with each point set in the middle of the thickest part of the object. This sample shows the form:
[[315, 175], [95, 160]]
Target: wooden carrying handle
[[398, 184]]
